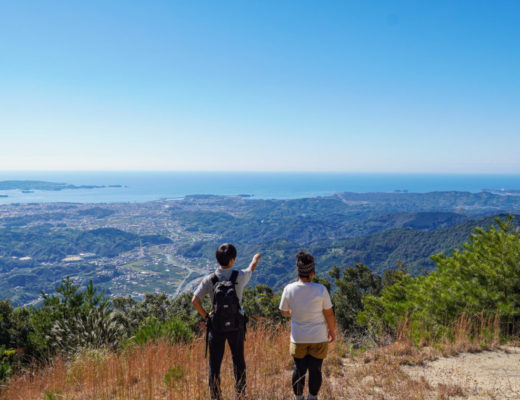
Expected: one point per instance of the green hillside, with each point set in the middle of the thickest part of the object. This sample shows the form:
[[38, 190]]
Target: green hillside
[[379, 251], [45, 244]]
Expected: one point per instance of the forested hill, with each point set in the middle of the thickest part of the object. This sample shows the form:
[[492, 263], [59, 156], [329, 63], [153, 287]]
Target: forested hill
[[340, 216], [413, 247], [379, 251], [44, 244], [472, 204]]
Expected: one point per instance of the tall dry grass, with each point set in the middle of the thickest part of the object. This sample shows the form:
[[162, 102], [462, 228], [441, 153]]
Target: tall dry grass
[[162, 371], [466, 334], [179, 371]]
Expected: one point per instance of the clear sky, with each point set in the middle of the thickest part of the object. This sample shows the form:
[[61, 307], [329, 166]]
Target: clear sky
[[372, 86]]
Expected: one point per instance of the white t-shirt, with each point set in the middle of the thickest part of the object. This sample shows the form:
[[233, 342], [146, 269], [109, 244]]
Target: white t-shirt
[[306, 301]]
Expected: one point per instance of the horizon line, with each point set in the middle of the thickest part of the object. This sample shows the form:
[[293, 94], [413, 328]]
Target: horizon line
[[260, 172]]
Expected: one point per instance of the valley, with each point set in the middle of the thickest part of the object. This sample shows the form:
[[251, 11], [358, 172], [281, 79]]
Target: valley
[[166, 246]]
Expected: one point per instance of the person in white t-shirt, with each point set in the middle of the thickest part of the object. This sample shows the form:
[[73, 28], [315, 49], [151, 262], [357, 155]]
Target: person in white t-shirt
[[312, 326]]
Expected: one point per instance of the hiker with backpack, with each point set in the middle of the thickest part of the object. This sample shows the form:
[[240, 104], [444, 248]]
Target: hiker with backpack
[[226, 321], [312, 326]]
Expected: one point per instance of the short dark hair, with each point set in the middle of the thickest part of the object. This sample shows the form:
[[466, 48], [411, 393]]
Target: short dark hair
[[304, 264], [225, 253]]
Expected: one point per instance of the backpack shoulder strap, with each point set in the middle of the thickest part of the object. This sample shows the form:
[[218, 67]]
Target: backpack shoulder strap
[[234, 276], [214, 278]]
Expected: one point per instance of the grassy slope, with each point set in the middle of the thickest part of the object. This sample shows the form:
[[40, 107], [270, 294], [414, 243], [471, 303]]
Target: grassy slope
[[179, 371]]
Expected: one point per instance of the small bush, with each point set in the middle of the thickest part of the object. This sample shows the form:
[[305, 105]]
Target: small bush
[[6, 357], [173, 375], [152, 329]]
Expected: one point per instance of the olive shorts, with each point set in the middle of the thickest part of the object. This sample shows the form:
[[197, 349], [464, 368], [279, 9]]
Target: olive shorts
[[317, 350]]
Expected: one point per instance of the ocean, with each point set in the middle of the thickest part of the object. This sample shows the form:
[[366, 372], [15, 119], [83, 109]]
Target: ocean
[[148, 186]]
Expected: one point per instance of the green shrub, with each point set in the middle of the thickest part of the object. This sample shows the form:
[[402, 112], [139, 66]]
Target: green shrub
[[152, 329], [261, 301], [481, 280], [357, 283], [95, 327], [6, 357]]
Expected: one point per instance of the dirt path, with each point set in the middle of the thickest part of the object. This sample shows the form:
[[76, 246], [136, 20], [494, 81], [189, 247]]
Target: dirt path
[[486, 375]]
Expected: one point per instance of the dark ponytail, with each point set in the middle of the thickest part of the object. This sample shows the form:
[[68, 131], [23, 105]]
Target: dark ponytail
[[304, 264]]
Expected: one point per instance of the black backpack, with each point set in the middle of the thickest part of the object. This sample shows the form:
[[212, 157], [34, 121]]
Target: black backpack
[[226, 307]]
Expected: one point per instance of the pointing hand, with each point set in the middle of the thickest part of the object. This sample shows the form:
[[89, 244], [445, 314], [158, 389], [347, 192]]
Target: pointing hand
[[254, 262]]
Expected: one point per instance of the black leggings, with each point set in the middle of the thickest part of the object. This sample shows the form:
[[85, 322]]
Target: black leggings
[[301, 365]]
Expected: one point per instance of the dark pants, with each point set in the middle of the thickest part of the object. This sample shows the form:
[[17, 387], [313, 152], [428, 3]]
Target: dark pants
[[301, 365], [217, 344]]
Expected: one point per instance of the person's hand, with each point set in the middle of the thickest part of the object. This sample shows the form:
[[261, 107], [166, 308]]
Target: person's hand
[[254, 262], [332, 336], [256, 258], [202, 325]]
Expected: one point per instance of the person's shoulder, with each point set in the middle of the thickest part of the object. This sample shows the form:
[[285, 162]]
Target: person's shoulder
[[319, 286], [290, 286], [209, 277], [204, 286]]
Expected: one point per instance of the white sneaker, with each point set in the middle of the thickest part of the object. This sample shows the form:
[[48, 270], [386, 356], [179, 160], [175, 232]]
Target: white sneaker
[[311, 397]]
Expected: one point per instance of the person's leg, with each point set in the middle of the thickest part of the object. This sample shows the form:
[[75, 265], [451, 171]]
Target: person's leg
[[217, 345], [298, 378], [236, 344], [314, 365]]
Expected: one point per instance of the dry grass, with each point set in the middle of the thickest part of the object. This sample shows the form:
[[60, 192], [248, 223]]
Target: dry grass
[[449, 391], [179, 371], [162, 371]]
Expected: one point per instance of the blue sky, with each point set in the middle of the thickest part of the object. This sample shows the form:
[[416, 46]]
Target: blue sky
[[365, 86]]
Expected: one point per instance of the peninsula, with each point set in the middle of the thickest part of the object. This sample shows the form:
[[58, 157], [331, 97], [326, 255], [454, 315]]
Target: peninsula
[[29, 186]]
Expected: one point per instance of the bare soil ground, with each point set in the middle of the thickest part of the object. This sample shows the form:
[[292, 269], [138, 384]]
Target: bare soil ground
[[476, 376]]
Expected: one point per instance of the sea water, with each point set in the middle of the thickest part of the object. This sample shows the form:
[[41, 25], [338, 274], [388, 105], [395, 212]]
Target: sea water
[[149, 186]]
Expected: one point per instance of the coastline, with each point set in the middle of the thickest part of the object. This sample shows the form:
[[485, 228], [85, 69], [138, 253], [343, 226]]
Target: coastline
[[137, 187]]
